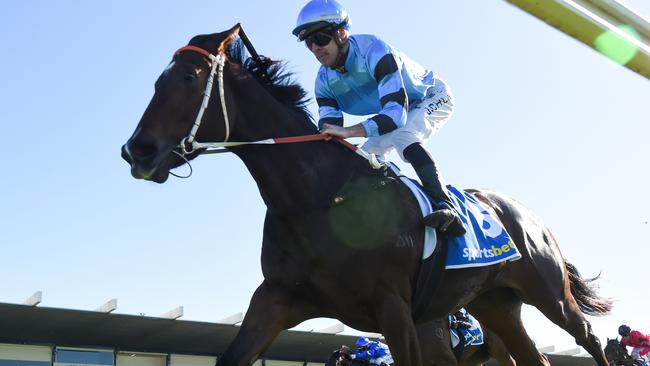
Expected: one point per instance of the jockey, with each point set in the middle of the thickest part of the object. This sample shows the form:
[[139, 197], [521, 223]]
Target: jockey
[[375, 352], [460, 319], [362, 75], [639, 342]]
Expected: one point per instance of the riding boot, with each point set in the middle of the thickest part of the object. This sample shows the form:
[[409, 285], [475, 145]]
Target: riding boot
[[445, 218]]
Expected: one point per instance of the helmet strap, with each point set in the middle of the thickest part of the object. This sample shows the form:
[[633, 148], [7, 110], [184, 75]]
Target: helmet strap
[[339, 65]]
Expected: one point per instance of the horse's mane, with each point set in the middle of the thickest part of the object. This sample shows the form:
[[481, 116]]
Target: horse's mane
[[276, 80], [273, 77]]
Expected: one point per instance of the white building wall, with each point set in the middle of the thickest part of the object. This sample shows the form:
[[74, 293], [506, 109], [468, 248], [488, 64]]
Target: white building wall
[[44, 354], [140, 359], [185, 360], [20, 352]]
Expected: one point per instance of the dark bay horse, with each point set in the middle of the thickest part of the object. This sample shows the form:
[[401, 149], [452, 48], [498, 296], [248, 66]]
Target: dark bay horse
[[341, 357], [327, 210], [617, 355]]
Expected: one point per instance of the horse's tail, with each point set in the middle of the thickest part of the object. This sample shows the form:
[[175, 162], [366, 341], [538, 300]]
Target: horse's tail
[[585, 294]]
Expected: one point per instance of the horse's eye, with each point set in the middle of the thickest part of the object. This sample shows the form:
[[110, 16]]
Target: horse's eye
[[189, 77]]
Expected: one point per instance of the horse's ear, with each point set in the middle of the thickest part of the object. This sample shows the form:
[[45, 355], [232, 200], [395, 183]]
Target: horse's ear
[[230, 37]]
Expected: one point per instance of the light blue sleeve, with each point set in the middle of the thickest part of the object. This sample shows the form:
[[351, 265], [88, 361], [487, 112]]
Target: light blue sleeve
[[328, 107]]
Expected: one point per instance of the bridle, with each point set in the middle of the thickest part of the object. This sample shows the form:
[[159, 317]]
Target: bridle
[[618, 355], [188, 145], [343, 359], [216, 63]]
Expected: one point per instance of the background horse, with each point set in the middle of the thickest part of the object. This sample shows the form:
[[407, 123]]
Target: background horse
[[327, 209], [342, 358], [617, 355]]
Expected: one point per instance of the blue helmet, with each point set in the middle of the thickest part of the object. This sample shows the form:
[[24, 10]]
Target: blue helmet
[[362, 342], [318, 15]]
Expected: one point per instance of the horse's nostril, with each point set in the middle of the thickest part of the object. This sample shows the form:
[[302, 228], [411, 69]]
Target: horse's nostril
[[142, 152]]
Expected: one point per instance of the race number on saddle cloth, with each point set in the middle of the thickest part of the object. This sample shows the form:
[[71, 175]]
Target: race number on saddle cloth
[[486, 242], [472, 335]]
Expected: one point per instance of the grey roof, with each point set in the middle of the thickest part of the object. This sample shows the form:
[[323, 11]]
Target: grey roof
[[21, 324], [65, 327]]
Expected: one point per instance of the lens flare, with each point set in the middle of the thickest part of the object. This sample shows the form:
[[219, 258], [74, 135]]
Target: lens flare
[[616, 47]]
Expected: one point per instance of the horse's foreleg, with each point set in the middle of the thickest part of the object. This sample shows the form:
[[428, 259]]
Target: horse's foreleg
[[271, 311], [396, 323], [498, 350], [435, 343]]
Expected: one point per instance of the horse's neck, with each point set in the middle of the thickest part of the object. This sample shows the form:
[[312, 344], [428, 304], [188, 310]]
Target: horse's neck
[[290, 177], [298, 177]]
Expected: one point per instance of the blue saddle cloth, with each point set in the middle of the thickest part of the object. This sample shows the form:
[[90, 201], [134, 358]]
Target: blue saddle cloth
[[486, 242]]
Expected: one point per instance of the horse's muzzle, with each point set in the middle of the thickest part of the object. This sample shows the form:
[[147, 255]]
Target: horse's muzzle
[[142, 167], [126, 155]]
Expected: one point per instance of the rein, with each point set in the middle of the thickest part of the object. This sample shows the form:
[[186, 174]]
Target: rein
[[189, 145]]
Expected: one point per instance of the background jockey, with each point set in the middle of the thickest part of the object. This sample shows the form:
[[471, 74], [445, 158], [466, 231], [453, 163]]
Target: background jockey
[[460, 319], [363, 75], [375, 352], [639, 342]]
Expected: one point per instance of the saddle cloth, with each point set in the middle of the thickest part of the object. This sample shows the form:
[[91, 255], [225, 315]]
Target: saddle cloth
[[486, 241]]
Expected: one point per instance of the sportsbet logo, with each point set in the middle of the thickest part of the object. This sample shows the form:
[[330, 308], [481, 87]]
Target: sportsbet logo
[[473, 253]]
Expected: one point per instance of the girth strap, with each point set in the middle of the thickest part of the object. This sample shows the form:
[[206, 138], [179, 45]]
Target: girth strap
[[430, 276]]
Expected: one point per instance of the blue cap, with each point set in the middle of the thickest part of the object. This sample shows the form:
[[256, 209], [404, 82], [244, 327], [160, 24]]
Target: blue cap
[[362, 341], [320, 14]]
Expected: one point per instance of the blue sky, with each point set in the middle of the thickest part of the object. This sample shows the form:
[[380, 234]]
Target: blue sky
[[539, 116]]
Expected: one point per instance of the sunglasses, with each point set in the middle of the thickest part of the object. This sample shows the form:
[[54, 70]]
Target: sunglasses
[[320, 39]]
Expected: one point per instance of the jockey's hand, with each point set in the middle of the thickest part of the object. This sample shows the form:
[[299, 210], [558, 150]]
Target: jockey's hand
[[343, 132], [334, 130]]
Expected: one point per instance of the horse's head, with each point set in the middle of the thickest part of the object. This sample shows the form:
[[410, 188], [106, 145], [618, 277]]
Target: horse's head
[[160, 141], [334, 359], [615, 352], [341, 357]]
